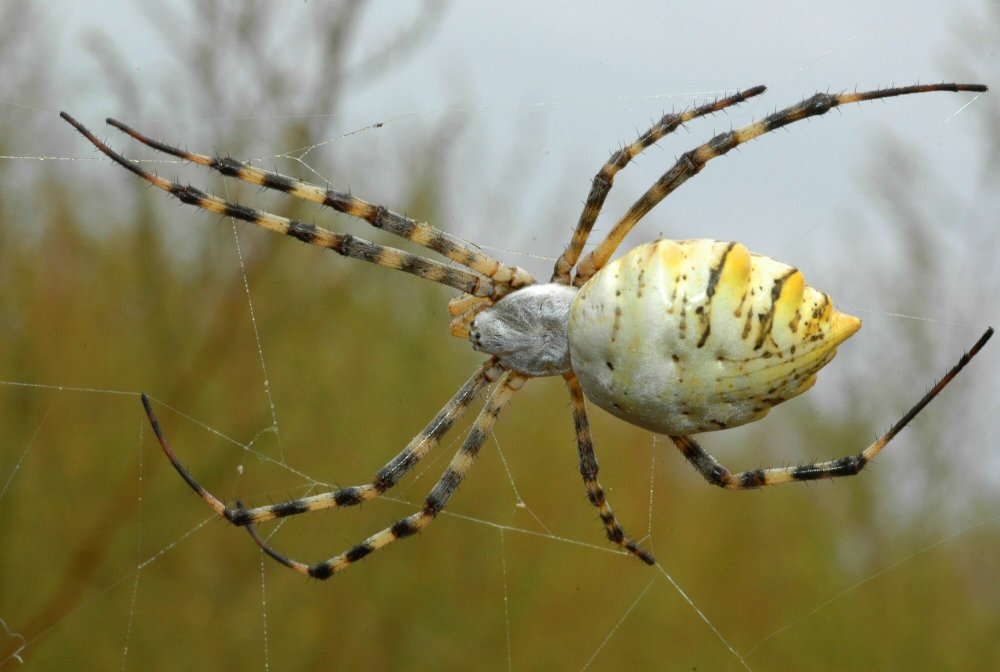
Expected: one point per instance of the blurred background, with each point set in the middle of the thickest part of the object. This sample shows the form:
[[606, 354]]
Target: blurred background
[[279, 369]]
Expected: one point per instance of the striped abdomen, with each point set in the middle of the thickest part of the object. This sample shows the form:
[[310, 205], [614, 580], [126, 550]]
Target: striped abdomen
[[687, 336]]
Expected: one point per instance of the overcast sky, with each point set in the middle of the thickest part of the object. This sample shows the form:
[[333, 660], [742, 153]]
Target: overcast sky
[[557, 85]]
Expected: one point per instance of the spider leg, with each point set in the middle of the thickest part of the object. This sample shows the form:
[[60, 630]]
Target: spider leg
[[589, 469], [385, 478], [716, 474], [379, 217], [602, 182], [690, 163], [342, 243], [506, 386]]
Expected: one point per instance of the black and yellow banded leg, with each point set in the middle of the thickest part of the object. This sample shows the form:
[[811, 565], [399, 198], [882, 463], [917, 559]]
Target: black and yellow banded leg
[[589, 469], [342, 243], [716, 474], [388, 476], [691, 163], [436, 500], [379, 217], [605, 177]]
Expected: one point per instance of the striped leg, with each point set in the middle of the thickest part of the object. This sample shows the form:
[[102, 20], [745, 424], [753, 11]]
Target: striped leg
[[589, 469], [342, 243], [506, 386], [378, 216], [716, 474], [606, 176], [386, 478], [692, 162]]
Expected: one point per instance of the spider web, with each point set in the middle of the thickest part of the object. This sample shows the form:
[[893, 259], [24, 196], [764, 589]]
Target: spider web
[[323, 370]]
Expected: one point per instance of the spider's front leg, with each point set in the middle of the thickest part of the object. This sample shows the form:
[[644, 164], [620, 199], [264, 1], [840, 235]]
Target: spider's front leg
[[485, 277], [385, 478], [508, 384]]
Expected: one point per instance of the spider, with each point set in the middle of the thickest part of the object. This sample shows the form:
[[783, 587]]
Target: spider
[[676, 336]]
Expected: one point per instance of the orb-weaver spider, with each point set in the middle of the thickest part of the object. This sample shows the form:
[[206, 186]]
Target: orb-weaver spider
[[679, 337]]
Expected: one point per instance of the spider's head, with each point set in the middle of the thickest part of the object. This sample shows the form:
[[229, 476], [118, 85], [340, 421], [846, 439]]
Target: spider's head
[[527, 329], [463, 310]]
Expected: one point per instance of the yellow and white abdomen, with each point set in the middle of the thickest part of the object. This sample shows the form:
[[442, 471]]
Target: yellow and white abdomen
[[688, 336]]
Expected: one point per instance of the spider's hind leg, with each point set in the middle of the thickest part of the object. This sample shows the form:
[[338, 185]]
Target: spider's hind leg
[[691, 163], [716, 474], [605, 177]]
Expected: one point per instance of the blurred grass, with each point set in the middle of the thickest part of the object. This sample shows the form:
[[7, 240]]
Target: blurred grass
[[98, 295]]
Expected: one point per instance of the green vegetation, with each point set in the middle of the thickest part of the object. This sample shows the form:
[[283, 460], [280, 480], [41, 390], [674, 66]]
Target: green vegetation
[[107, 289]]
